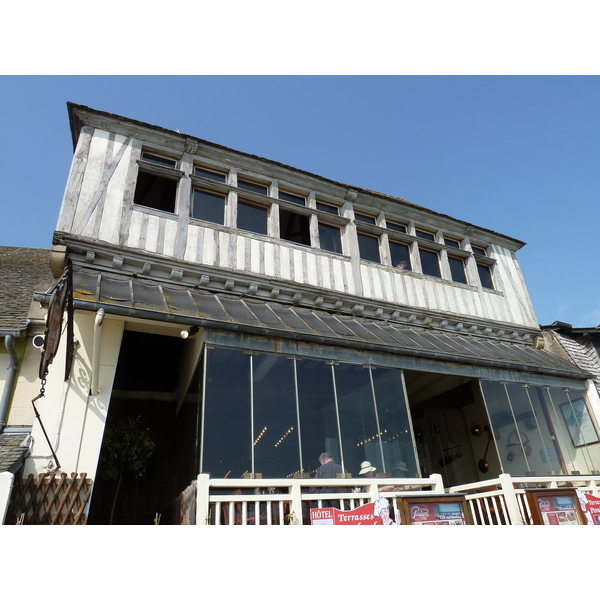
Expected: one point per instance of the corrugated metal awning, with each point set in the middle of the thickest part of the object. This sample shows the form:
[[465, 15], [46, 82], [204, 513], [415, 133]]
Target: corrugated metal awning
[[132, 297]]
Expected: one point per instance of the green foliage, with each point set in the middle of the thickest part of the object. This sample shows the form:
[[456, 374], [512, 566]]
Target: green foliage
[[126, 449]]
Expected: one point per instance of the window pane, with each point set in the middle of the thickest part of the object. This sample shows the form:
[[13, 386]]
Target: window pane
[[369, 247], [252, 217], [430, 263], [158, 160], [318, 418], [400, 256], [156, 192], [485, 276], [334, 210], [227, 440], [364, 218], [478, 250], [457, 268], [208, 207], [292, 198], [452, 243], [253, 187], [294, 227], [396, 226], [361, 438], [330, 238], [276, 451], [210, 174], [425, 235], [394, 421]]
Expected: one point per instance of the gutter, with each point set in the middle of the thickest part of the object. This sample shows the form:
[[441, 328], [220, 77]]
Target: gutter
[[10, 377], [96, 352]]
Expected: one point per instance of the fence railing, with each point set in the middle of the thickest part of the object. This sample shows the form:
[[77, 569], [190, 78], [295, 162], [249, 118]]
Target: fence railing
[[502, 501], [288, 501]]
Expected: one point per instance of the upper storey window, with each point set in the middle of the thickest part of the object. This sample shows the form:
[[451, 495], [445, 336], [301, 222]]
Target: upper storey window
[[484, 267], [294, 226], [156, 185], [251, 186], [252, 217], [208, 206], [210, 174]]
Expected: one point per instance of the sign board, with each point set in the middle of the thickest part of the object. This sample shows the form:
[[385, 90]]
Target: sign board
[[363, 515], [555, 507], [590, 506], [435, 510]]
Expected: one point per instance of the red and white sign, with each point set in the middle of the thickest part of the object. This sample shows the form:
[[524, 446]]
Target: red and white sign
[[558, 510], [590, 505], [363, 515], [430, 513]]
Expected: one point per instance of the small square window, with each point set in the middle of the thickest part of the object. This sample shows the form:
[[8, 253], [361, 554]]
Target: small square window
[[252, 217], [329, 208], [457, 269], [253, 187], [209, 174], [292, 198], [479, 251], [430, 262], [208, 206], [400, 256], [369, 247], [330, 238]]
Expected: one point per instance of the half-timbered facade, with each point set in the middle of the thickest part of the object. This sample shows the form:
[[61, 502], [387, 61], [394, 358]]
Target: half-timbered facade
[[252, 315]]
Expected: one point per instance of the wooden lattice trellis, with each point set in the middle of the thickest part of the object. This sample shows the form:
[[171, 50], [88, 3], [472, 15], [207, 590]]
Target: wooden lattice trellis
[[51, 499]]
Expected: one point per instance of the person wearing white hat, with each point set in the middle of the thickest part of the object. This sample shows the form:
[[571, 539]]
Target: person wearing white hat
[[366, 469]]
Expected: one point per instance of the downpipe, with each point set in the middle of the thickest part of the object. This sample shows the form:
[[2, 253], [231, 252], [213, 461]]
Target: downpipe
[[10, 377], [96, 353]]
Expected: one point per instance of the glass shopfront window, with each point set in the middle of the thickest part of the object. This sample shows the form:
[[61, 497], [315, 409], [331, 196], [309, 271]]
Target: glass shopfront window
[[541, 430], [270, 414]]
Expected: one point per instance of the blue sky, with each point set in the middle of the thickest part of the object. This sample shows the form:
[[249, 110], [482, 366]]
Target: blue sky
[[515, 154]]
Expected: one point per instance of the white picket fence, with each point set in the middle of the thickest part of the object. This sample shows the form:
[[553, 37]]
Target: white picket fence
[[502, 501], [288, 501]]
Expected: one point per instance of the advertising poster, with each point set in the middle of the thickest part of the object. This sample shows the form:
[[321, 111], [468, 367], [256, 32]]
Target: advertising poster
[[432, 513], [590, 505], [558, 510], [373, 513]]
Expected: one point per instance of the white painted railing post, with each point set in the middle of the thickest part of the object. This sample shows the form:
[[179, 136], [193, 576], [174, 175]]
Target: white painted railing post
[[296, 504], [510, 497], [438, 486], [374, 491], [202, 499]]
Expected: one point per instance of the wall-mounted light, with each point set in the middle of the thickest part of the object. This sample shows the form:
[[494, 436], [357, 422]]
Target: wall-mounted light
[[186, 333], [476, 429]]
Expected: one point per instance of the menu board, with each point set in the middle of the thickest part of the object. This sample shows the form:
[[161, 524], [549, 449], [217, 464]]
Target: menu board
[[558, 510], [436, 513], [555, 507]]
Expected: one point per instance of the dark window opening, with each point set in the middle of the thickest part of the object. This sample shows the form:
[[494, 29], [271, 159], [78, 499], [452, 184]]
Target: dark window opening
[[430, 263], [457, 269], [478, 250], [400, 256], [452, 243], [252, 217], [154, 191], [294, 227], [369, 247], [330, 238], [207, 206]]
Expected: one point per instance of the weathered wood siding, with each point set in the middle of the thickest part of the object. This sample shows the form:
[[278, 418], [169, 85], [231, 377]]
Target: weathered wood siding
[[98, 204]]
